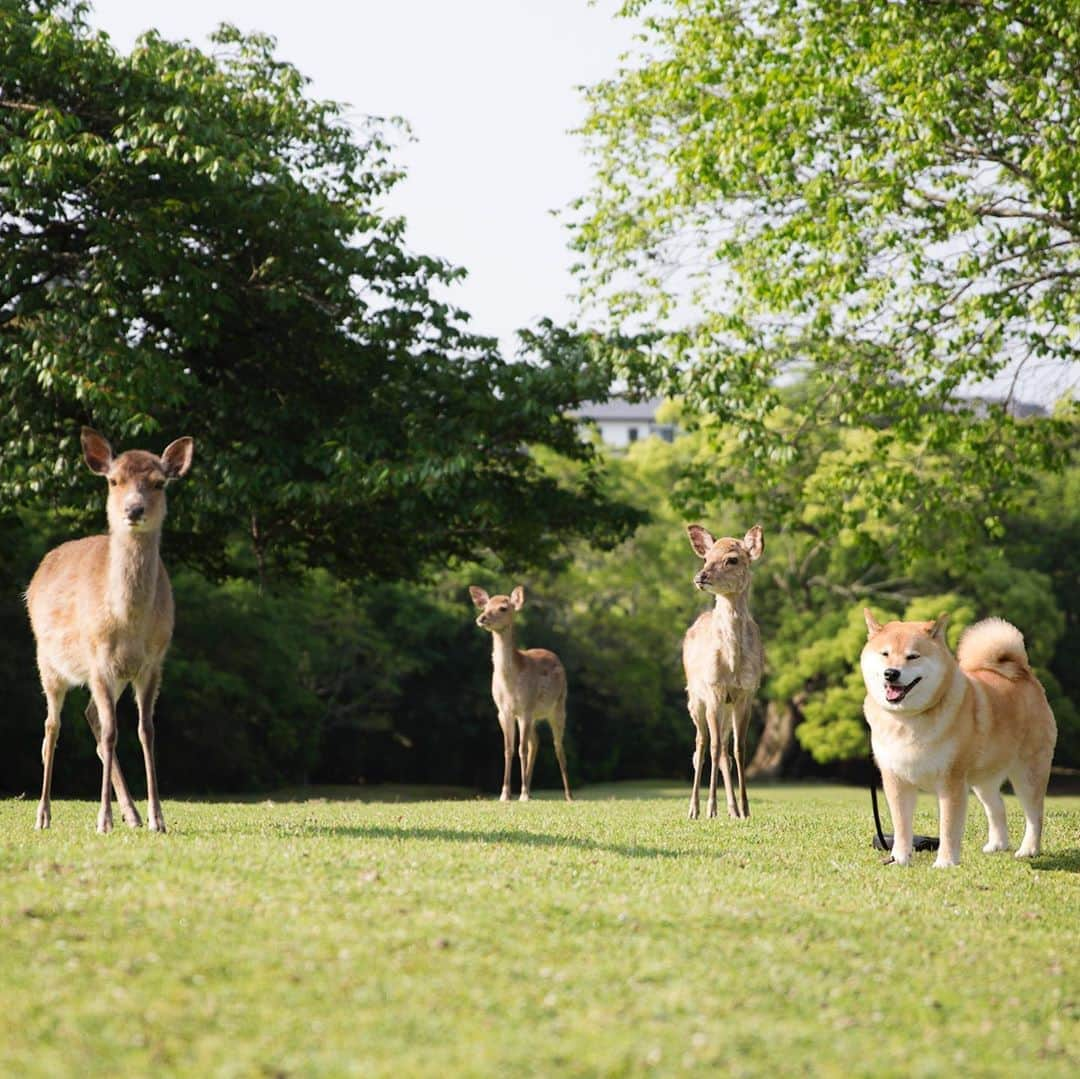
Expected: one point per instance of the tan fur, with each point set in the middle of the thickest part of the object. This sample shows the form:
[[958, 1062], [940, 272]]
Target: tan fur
[[723, 662], [960, 724], [528, 686], [102, 613]]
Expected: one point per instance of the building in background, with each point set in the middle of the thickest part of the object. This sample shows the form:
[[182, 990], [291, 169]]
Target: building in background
[[623, 422]]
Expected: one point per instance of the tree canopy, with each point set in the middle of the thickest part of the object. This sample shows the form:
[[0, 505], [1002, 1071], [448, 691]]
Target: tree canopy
[[878, 199], [190, 245]]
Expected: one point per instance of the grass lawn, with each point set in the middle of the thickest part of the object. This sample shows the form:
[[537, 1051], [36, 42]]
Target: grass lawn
[[400, 937]]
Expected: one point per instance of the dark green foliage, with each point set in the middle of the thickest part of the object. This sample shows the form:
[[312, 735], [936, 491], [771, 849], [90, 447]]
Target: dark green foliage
[[190, 245]]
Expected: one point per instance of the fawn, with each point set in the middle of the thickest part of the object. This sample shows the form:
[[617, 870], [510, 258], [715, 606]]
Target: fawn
[[528, 686], [102, 613], [723, 661]]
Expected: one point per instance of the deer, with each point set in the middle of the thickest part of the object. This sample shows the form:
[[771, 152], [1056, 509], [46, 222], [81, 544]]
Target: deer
[[101, 609], [723, 661], [528, 686]]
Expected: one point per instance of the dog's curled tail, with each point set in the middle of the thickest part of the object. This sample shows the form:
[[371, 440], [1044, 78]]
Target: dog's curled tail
[[994, 645]]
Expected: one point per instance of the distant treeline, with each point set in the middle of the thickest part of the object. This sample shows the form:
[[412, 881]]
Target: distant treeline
[[311, 681]]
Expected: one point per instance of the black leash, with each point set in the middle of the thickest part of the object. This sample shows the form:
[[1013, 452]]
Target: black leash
[[884, 840]]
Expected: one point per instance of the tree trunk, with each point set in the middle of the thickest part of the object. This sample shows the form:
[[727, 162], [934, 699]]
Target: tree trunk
[[777, 746]]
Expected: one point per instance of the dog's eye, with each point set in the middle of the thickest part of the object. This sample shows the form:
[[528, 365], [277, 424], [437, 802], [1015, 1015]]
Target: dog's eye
[[886, 652], [912, 655]]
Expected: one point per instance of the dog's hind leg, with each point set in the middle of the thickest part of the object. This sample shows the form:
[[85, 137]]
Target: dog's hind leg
[[990, 795], [1030, 786]]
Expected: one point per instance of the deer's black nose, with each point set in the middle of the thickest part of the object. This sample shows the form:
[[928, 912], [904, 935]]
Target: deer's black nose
[[700, 578], [891, 674], [135, 513]]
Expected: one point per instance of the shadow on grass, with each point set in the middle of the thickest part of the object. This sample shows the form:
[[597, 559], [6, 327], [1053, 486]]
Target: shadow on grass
[[493, 836], [1066, 861]]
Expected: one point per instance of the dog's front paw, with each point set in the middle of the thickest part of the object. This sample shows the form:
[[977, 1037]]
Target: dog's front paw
[[996, 845], [941, 862]]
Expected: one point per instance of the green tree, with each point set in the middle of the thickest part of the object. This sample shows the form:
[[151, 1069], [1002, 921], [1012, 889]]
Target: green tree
[[189, 244], [878, 198]]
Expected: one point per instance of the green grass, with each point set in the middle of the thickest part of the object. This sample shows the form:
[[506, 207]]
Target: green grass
[[464, 937]]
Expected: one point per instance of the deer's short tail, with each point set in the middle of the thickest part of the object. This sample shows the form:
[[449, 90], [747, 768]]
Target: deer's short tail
[[994, 645]]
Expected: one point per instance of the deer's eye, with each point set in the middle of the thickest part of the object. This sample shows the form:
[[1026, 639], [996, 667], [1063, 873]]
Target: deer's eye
[[732, 561], [114, 483], [158, 485]]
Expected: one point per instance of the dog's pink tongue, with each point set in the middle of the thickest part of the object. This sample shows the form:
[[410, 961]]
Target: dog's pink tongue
[[894, 693]]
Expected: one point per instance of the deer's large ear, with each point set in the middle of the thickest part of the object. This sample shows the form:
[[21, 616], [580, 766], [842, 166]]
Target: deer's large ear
[[872, 624], [700, 539], [937, 627], [754, 542], [479, 596], [517, 598], [96, 450], [178, 456]]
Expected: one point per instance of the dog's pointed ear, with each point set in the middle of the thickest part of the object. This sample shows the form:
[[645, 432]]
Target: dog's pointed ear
[[872, 624], [517, 598], [754, 542], [937, 627], [701, 539], [479, 596]]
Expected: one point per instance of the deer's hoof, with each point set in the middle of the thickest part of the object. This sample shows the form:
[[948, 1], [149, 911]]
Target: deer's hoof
[[104, 824], [44, 819], [693, 814], [157, 824], [132, 818]]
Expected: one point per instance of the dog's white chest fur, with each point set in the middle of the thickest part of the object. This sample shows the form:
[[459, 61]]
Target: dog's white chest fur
[[912, 749]]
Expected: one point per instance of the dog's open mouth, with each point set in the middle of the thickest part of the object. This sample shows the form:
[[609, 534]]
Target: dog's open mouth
[[895, 693]]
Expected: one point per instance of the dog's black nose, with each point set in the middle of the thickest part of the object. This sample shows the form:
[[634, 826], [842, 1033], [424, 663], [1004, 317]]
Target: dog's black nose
[[891, 674]]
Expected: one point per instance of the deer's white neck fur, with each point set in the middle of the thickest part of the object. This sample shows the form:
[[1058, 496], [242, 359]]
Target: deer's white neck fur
[[730, 614], [134, 565], [503, 653]]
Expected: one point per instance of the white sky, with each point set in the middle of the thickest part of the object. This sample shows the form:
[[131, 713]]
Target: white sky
[[489, 89]]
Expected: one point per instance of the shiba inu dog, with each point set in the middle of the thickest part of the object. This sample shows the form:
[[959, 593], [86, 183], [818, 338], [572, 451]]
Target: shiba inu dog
[[944, 724]]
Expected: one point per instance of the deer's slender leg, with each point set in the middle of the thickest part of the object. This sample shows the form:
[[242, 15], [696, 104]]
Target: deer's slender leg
[[146, 691], [123, 795], [106, 709], [716, 741], [558, 729], [697, 714], [55, 692], [506, 721], [534, 746], [525, 736], [740, 721]]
